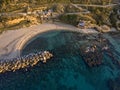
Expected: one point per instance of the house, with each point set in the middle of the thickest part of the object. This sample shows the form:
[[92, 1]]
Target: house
[[81, 24]]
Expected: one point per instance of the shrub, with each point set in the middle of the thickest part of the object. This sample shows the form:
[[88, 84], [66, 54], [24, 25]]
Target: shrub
[[74, 19]]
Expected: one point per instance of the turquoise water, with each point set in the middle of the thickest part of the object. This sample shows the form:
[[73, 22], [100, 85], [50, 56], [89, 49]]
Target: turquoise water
[[65, 71]]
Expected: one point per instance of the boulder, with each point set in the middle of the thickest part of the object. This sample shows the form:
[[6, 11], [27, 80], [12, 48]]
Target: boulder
[[105, 28], [118, 25]]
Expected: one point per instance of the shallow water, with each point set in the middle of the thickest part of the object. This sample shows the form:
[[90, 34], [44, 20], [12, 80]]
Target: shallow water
[[65, 71]]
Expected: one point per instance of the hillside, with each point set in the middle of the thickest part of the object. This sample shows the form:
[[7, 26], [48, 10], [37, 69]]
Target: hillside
[[21, 13], [11, 5]]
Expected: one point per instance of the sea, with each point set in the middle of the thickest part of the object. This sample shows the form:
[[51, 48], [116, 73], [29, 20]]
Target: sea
[[66, 70]]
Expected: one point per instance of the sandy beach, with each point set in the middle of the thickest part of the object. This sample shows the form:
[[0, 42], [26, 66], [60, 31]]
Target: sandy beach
[[12, 41]]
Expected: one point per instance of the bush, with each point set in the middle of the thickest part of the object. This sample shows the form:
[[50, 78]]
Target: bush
[[59, 8], [70, 19], [74, 19], [101, 15], [114, 16]]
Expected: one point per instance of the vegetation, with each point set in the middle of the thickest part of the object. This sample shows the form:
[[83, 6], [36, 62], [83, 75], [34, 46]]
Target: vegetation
[[74, 19], [5, 5], [64, 8], [16, 21], [101, 2], [114, 17], [98, 15], [101, 15]]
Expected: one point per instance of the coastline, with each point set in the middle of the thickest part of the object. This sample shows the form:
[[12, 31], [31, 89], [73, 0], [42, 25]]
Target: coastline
[[13, 41], [11, 47]]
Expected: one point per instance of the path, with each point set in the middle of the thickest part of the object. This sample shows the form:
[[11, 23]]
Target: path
[[93, 5], [78, 13], [78, 6]]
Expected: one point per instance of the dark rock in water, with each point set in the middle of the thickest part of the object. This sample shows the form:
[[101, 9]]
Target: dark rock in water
[[92, 51], [92, 56], [114, 84]]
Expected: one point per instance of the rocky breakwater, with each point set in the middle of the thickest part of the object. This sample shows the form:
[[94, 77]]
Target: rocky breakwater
[[25, 61]]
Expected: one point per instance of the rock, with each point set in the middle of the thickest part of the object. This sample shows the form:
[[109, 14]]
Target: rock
[[114, 84], [105, 28], [118, 25], [25, 61]]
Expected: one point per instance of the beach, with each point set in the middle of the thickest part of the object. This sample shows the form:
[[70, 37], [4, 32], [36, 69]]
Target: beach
[[68, 61], [12, 41]]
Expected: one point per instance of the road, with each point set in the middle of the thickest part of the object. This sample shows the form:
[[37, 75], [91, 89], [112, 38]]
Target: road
[[77, 13], [92, 5], [85, 11]]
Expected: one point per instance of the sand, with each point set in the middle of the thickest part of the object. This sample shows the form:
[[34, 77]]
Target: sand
[[12, 41]]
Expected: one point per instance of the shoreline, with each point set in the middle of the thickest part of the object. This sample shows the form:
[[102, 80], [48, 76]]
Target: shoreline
[[11, 47], [13, 41]]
